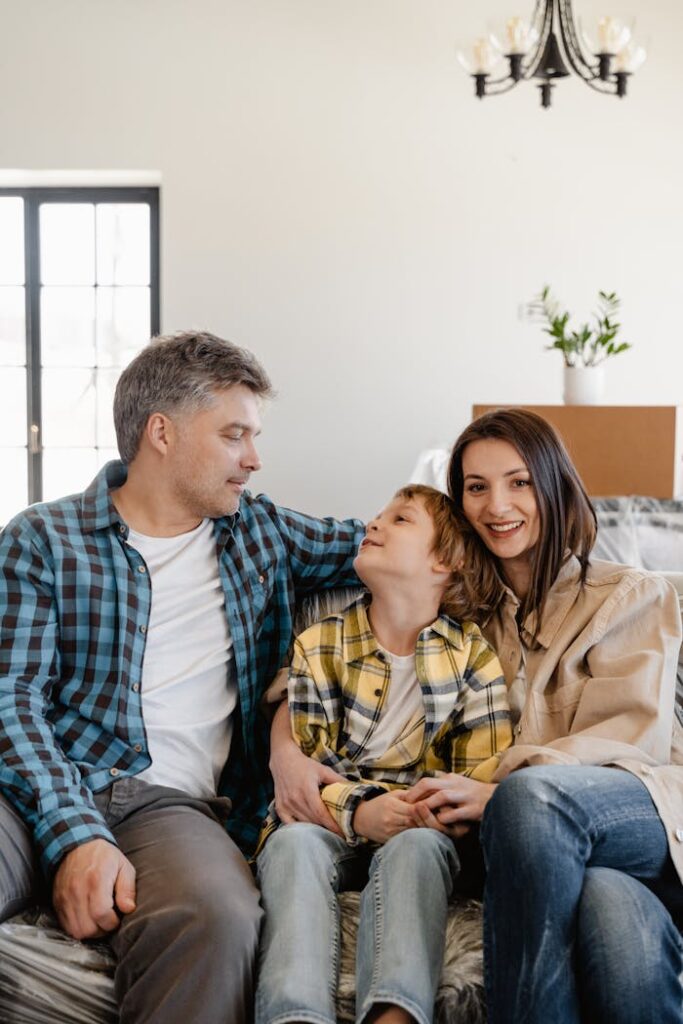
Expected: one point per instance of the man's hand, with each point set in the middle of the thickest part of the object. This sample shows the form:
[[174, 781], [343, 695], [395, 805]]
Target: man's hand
[[93, 882], [383, 817], [298, 778], [449, 802]]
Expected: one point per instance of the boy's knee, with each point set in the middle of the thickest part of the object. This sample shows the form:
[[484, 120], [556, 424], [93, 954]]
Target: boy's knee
[[421, 849], [295, 850]]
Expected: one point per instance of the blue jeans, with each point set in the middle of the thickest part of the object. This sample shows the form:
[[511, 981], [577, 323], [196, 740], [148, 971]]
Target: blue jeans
[[572, 928], [400, 935]]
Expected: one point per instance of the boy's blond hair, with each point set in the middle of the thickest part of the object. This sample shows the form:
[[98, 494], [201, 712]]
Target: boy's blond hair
[[455, 546]]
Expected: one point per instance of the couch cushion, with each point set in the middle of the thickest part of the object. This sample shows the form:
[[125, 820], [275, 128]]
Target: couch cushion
[[641, 531], [48, 978]]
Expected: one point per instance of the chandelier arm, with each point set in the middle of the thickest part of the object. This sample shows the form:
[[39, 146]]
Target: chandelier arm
[[606, 88], [540, 13], [506, 84], [545, 30], [572, 45], [506, 80]]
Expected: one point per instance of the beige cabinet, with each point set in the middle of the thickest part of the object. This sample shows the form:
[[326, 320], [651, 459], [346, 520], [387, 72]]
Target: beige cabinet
[[620, 449]]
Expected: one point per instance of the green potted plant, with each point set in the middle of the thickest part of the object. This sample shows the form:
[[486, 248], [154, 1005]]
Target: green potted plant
[[583, 350]]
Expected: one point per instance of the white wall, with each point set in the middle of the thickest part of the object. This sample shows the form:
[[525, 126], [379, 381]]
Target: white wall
[[335, 199]]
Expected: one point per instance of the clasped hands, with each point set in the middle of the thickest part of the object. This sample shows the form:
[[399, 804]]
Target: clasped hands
[[448, 802]]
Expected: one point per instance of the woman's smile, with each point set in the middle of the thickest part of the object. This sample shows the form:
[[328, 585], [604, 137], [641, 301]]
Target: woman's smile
[[506, 528]]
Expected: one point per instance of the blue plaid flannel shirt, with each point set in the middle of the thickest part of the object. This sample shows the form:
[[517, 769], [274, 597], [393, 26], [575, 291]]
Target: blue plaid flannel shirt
[[74, 607]]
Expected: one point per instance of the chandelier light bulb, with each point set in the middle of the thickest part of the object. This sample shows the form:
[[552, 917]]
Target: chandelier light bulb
[[519, 35], [482, 58], [613, 35], [630, 58]]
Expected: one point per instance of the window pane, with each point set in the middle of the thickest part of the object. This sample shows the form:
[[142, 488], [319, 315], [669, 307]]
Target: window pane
[[67, 471], [123, 324], [67, 243], [11, 240], [14, 476], [106, 383], [69, 409], [12, 407], [122, 243], [105, 455], [12, 327], [67, 326]]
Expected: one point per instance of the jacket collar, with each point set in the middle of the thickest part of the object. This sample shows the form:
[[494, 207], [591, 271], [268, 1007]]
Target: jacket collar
[[559, 602], [360, 641]]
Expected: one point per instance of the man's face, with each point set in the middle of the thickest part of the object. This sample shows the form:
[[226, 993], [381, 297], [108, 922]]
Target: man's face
[[212, 454], [398, 543]]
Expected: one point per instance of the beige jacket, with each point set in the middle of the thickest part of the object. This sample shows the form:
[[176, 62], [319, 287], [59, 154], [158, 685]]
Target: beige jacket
[[601, 681]]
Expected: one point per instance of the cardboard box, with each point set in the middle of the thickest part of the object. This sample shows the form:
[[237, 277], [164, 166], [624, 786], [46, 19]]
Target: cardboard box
[[620, 449]]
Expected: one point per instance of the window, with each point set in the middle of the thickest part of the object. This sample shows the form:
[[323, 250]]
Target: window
[[79, 297]]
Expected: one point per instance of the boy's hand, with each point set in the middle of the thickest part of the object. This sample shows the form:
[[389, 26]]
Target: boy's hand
[[449, 802], [383, 817]]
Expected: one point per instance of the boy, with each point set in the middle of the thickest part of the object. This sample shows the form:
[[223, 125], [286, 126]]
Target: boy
[[385, 692]]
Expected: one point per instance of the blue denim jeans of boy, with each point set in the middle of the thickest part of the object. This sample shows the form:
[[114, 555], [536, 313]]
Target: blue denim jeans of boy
[[401, 932], [573, 930]]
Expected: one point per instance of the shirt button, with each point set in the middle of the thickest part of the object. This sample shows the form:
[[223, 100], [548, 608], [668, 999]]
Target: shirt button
[[143, 629], [679, 835], [122, 528], [113, 771], [137, 748], [378, 692], [136, 687], [142, 568], [381, 655], [261, 579]]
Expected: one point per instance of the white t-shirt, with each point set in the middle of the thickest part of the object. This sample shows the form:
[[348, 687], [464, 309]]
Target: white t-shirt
[[188, 681], [403, 702]]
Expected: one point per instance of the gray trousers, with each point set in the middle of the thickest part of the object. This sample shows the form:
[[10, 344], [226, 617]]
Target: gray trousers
[[188, 950]]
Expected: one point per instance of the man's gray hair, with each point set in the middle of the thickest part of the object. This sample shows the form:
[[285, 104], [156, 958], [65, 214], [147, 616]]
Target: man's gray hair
[[179, 373]]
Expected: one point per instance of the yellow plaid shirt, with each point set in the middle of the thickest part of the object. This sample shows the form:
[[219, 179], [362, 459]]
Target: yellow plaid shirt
[[338, 686]]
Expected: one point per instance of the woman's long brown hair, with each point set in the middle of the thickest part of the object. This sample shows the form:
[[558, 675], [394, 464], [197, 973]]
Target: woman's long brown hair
[[567, 518]]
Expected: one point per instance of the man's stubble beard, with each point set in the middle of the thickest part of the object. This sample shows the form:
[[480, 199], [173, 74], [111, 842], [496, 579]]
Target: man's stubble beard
[[199, 500]]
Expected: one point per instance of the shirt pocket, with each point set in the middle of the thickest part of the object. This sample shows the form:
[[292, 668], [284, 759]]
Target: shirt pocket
[[261, 587]]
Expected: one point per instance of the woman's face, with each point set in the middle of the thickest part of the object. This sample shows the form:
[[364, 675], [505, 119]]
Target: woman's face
[[499, 501]]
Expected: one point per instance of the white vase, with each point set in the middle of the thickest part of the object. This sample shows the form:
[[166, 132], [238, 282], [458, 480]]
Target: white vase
[[583, 385]]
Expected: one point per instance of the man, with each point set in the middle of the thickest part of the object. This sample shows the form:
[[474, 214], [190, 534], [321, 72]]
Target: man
[[140, 624]]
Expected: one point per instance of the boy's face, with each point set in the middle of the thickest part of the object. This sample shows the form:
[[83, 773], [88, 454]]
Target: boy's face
[[399, 544]]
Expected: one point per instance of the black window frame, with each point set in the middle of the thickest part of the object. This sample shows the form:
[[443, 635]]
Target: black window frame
[[34, 197]]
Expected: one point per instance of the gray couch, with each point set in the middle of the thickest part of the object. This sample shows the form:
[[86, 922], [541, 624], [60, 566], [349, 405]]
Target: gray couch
[[46, 978]]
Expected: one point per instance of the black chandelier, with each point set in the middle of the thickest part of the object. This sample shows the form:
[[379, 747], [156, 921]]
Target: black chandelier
[[547, 47]]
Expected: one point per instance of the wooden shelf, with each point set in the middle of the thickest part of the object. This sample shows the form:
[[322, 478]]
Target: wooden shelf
[[620, 449]]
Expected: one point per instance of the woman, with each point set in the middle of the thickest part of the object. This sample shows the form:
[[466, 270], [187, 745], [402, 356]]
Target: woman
[[580, 845]]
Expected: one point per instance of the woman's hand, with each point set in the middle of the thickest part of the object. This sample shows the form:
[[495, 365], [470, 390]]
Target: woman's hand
[[298, 778], [383, 817], [449, 802]]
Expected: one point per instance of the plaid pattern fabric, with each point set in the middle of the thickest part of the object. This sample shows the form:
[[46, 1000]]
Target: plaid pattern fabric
[[74, 607], [338, 685]]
